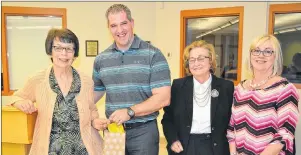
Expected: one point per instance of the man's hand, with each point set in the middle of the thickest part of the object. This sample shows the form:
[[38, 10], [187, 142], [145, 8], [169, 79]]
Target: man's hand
[[120, 116], [176, 147], [26, 106], [100, 123]]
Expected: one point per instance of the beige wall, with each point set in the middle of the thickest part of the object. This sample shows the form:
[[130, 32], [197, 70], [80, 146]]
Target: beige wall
[[158, 22]]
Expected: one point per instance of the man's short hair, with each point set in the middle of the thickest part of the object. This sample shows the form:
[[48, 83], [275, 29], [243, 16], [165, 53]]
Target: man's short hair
[[116, 8]]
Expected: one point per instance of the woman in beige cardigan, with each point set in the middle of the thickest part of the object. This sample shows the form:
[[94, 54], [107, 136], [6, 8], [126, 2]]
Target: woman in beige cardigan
[[67, 120]]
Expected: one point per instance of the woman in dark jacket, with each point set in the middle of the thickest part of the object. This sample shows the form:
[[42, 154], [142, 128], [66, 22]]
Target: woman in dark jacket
[[196, 121]]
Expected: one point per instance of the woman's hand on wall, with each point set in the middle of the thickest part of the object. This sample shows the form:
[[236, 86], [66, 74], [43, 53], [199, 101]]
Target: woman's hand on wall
[[26, 106]]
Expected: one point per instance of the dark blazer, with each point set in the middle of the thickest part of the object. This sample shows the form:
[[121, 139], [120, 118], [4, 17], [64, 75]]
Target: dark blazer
[[177, 118]]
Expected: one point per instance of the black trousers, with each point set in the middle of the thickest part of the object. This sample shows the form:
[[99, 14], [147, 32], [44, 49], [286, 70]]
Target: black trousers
[[199, 144]]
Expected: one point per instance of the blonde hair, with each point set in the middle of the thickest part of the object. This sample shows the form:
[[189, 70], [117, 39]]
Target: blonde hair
[[116, 8], [278, 63], [202, 44]]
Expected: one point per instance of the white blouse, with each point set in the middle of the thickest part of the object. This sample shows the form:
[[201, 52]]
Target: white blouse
[[201, 107]]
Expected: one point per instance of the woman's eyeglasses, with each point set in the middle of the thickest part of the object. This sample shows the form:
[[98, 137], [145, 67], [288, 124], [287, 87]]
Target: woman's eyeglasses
[[266, 53], [199, 59], [60, 49]]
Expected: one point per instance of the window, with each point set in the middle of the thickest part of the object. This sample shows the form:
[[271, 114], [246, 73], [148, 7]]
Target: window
[[222, 27], [285, 24], [24, 31]]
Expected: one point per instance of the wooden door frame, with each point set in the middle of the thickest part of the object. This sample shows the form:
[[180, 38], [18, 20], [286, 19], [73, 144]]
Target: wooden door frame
[[212, 12], [21, 11], [282, 8]]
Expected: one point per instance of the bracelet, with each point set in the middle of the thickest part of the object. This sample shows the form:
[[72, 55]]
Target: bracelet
[[233, 153]]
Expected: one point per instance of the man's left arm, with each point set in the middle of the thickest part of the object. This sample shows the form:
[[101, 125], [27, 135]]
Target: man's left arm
[[160, 99], [160, 85]]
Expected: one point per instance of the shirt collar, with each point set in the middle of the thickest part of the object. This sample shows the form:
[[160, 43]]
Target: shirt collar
[[197, 84]]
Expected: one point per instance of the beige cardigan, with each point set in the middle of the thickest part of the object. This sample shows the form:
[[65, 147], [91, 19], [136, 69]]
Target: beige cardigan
[[37, 89]]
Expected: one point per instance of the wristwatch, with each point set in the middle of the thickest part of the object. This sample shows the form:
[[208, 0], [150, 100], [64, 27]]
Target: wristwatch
[[234, 153], [131, 112]]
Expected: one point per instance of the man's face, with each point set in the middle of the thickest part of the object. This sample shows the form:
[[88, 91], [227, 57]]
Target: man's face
[[121, 29]]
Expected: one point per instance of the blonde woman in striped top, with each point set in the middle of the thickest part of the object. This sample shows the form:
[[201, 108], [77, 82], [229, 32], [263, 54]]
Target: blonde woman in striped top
[[265, 109]]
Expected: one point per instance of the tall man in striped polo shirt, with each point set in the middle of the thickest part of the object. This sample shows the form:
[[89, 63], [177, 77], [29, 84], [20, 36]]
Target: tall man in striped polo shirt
[[136, 79]]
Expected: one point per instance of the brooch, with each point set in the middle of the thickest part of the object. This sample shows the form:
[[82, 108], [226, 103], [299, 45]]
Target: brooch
[[214, 93]]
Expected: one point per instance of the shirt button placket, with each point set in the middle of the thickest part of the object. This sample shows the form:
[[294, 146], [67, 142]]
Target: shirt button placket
[[122, 61]]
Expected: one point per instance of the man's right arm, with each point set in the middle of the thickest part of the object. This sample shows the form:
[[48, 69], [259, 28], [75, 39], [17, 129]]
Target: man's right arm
[[99, 87], [98, 95]]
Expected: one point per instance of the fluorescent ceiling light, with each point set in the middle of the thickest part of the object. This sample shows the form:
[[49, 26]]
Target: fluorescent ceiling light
[[204, 34], [197, 37], [216, 29], [287, 30], [36, 27], [226, 25], [235, 21], [219, 28]]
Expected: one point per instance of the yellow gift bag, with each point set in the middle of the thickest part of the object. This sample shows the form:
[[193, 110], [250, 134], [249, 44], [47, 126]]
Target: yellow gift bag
[[114, 140]]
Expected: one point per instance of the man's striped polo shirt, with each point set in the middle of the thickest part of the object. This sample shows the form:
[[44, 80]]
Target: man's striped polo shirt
[[129, 77]]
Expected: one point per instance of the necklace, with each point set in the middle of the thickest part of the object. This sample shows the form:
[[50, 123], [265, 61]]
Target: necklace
[[202, 98], [261, 83]]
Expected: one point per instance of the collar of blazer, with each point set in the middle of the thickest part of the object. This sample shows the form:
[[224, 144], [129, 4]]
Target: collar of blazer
[[188, 89]]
